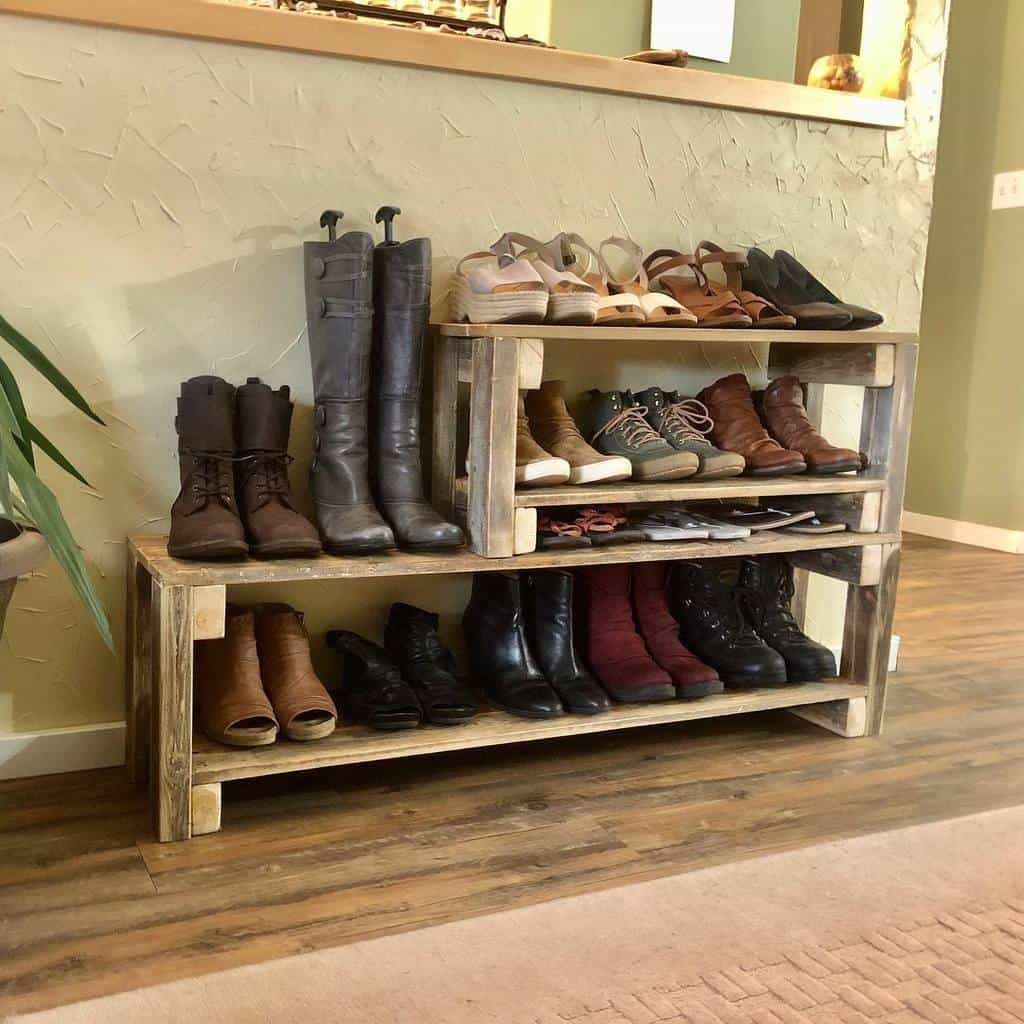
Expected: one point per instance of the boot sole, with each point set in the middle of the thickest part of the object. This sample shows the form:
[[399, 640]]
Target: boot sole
[[287, 551], [433, 547], [353, 549], [840, 467], [644, 696], [693, 691], [792, 470], [746, 683], [212, 550], [533, 715]]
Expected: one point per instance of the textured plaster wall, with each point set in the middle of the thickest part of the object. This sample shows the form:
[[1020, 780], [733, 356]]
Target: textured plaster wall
[[155, 192]]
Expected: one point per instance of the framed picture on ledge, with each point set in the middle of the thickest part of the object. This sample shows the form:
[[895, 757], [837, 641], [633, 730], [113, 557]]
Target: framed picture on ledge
[[703, 28]]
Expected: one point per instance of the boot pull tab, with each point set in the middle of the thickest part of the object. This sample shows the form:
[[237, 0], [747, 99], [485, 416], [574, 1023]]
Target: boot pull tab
[[329, 219], [387, 214]]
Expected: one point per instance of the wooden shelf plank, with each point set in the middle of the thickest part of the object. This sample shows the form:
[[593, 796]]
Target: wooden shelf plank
[[684, 334], [356, 744], [735, 487], [152, 552]]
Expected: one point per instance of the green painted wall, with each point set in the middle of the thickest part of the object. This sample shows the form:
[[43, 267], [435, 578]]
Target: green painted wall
[[764, 41], [967, 453]]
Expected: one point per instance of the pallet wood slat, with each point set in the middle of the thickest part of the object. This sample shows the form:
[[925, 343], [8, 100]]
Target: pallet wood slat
[[847, 718], [869, 366], [355, 744]]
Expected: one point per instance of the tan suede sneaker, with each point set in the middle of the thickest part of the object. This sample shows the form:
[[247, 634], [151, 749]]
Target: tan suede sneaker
[[556, 430], [534, 466]]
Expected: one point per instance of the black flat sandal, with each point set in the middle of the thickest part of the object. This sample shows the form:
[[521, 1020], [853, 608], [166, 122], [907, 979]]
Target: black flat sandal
[[794, 272]]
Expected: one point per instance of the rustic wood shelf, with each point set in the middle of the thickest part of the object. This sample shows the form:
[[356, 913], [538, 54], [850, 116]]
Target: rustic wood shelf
[[172, 604], [357, 744]]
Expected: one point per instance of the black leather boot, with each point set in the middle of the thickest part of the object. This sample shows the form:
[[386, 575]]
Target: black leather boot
[[372, 688], [339, 312], [499, 657], [548, 604], [707, 605], [413, 644], [766, 586], [401, 288]]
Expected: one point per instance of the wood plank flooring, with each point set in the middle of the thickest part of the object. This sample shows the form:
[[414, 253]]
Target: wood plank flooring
[[89, 904]]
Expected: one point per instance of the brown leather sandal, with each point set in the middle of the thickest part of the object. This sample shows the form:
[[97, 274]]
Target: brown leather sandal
[[233, 707], [760, 310], [301, 702], [713, 308]]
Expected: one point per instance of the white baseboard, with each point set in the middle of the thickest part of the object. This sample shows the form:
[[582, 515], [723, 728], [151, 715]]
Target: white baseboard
[[976, 534], [894, 653], [75, 749]]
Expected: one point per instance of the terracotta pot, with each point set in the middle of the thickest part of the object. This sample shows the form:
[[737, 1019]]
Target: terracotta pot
[[21, 551]]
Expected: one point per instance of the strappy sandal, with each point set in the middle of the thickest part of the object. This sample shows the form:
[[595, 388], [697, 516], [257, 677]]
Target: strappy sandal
[[513, 293], [571, 300], [763, 313], [605, 526], [660, 309], [559, 533], [713, 310]]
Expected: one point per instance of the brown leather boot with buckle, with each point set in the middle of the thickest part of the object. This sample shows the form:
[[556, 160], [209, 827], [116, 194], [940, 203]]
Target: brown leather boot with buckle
[[781, 405], [204, 517], [272, 525], [738, 429]]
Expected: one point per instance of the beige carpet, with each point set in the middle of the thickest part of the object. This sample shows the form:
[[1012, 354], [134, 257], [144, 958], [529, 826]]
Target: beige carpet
[[920, 924]]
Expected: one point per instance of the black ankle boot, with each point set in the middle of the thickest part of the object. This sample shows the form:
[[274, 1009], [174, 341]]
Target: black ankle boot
[[548, 604], [412, 642], [339, 314], [706, 604], [401, 306], [372, 688], [499, 657], [766, 586]]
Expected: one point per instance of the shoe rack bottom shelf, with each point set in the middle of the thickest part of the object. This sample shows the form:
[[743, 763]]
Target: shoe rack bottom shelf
[[356, 744]]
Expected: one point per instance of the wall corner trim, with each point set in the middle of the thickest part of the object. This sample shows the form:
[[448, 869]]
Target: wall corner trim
[[74, 749], [976, 534]]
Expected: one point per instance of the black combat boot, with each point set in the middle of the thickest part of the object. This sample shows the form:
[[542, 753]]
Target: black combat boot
[[548, 604], [707, 605], [499, 657], [413, 644], [766, 586]]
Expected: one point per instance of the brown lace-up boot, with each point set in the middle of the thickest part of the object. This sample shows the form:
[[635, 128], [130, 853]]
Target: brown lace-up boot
[[274, 529], [555, 431], [204, 517], [738, 429], [782, 408]]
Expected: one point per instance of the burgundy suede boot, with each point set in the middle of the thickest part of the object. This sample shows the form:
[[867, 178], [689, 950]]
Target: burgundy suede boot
[[660, 633], [612, 645]]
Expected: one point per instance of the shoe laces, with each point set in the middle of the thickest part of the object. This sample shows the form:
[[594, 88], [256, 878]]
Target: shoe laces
[[209, 478], [270, 470], [424, 645], [632, 426], [688, 420], [768, 607]]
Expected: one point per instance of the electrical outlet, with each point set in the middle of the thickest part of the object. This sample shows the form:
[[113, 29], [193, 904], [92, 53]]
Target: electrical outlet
[[1008, 190]]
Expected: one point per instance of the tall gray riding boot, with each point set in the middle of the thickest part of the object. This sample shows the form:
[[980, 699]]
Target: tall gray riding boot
[[401, 290], [339, 312]]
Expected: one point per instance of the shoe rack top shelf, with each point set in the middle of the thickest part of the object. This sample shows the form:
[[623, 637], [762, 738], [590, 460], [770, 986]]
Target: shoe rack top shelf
[[152, 553], [631, 492], [356, 744], [690, 334]]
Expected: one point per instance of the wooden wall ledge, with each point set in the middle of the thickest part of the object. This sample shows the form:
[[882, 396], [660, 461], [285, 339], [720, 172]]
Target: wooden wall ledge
[[226, 22]]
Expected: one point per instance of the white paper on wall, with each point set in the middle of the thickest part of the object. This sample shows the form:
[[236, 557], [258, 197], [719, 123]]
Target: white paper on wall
[[703, 28]]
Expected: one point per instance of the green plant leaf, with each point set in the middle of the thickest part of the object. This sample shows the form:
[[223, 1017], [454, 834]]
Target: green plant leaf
[[6, 498], [31, 354], [47, 517], [37, 437], [12, 393]]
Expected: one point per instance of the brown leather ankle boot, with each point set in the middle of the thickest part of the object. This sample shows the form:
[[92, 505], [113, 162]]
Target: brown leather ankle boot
[[204, 517], [274, 529], [782, 409], [738, 429]]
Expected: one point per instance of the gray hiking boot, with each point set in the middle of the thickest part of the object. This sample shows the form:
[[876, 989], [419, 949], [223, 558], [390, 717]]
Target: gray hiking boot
[[684, 422], [619, 428]]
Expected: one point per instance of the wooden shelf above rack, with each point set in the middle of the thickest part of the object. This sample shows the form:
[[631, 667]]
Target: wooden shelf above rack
[[357, 744], [152, 553]]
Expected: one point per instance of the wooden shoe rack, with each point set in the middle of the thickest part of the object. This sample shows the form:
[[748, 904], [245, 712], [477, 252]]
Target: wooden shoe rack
[[171, 603]]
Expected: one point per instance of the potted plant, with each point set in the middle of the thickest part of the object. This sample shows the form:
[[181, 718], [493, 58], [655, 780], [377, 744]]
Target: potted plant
[[31, 522]]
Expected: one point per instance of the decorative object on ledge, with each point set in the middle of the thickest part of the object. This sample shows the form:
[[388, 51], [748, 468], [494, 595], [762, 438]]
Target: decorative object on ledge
[[456, 14], [668, 58], [838, 71]]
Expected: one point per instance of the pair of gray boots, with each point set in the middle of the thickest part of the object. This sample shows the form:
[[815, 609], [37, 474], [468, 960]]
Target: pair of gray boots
[[367, 308]]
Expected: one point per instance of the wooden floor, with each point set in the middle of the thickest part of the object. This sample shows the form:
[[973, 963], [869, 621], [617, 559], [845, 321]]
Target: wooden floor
[[89, 904]]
